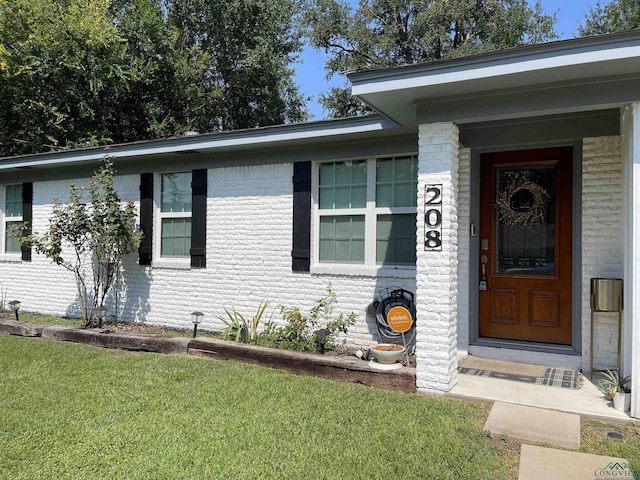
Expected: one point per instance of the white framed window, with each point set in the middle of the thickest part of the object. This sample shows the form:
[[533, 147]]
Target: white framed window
[[11, 216], [172, 229], [365, 214]]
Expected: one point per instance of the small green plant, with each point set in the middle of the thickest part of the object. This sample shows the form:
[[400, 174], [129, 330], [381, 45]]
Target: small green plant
[[612, 384], [299, 331], [238, 328]]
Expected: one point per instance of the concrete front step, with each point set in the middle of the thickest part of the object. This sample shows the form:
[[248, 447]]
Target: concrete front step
[[547, 463], [534, 425]]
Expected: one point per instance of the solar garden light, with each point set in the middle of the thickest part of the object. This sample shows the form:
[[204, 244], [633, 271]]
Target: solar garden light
[[15, 306], [196, 319], [101, 312], [322, 336]]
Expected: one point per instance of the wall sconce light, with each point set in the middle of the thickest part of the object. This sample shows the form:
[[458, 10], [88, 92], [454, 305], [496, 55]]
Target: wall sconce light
[[15, 306], [196, 319]]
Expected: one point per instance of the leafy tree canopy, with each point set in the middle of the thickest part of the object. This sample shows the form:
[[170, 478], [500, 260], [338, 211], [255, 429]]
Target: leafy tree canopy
[[386, 33], [76, 72], [616, 16]]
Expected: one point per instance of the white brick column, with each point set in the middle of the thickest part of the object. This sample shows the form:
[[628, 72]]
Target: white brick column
[[436, 275], [630, 129]]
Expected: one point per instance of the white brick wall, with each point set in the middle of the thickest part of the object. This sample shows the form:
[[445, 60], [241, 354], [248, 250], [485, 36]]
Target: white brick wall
[[464, 247], [436, 279], [602, 242], [249, 234]]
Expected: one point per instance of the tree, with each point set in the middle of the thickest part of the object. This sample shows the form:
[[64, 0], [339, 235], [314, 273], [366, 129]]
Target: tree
[[59, 60], [616, 16], [90, 239], [250, 45], [387, 33], [93, 72]]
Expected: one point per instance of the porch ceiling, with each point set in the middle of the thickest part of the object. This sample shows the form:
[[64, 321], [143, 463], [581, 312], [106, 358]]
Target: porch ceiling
[[557, 68]]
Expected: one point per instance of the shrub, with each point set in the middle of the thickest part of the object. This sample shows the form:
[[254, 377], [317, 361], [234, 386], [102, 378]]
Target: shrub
[[298, 333]]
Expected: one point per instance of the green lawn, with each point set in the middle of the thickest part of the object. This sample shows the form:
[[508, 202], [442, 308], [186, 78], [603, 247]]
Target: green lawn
[[72, 411]]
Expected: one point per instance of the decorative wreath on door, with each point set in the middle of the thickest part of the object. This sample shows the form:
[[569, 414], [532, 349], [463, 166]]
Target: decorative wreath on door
[[522, 202]]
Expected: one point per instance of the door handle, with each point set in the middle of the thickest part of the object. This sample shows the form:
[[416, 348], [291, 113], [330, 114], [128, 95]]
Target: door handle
[[483, 279]]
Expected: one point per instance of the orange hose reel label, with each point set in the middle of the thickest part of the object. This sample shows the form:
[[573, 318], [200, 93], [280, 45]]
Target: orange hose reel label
[[399, 319]]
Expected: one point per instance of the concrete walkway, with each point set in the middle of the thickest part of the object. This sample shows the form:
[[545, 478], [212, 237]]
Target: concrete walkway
[[587, 400], [538, 425], [535, 425], [537, 463]]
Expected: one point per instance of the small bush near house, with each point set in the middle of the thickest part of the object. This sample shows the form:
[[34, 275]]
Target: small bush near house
[[238, 328], [299, 331], [89, 235]]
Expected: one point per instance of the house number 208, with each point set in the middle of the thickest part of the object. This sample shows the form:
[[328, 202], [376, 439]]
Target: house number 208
[[433, 217]]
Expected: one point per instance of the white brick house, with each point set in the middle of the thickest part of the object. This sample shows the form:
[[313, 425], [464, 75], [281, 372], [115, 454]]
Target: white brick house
[[521, 166]]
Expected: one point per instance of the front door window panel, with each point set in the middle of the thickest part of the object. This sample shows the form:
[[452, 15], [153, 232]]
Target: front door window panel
[[526, 220]]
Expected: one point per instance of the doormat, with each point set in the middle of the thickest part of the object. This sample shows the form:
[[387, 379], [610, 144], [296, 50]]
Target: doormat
[[553, 377]]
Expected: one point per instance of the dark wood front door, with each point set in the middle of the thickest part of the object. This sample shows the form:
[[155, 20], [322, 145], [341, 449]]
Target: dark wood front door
[[525, 245]]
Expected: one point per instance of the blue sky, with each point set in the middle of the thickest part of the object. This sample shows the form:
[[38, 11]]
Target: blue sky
[[310, 74]]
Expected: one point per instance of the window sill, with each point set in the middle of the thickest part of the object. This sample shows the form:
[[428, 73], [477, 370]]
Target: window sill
[[363, 271], [172, 263], [11, 257]]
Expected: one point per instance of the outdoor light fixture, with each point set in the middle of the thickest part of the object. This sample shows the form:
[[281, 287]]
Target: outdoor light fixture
[[101, 312], [322, 336], [196, 318], [15, 306]]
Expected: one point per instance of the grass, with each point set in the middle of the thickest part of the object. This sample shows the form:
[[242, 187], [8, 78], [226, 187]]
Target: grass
[[72, 411], [136, 328], [47, 319], [594, 440]]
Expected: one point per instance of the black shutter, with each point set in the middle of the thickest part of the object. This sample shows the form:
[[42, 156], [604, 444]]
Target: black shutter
[[301, 254], [199, 218], [27, 217], [146, 219]]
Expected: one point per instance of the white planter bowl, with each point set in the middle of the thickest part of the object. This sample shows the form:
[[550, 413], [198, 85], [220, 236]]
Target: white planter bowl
[[387, 352]]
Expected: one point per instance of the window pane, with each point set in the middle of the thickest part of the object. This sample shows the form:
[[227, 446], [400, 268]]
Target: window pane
[[404, 195], [342, 239], [13, 201], [176, 192], [326, 174], [384, 170], [358, 196], [326, 197], [358, 172], [526, 220], [11, 244], [175, 237], [342, 197], [404, 169], [343, 185], [396, 182], [384, 195], [396, 239]]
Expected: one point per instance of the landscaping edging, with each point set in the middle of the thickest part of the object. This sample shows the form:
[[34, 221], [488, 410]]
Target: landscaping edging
[[345, 369], [100, 338]]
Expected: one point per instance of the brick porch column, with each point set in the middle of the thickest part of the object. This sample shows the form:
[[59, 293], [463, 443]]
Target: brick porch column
[[436, 267]]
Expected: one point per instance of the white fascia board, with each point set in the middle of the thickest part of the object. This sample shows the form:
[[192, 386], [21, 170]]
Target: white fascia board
[[496, 68], [267, 137]]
